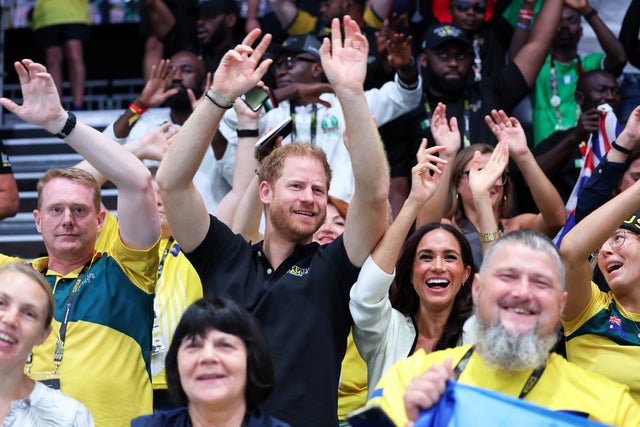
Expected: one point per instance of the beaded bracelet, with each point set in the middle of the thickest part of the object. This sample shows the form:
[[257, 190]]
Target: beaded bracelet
[[224, 107], [226, 98]]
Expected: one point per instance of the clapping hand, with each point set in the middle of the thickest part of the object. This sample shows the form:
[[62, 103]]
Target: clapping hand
[[445, 133], [426, 174], [508, 129], [482, 180]]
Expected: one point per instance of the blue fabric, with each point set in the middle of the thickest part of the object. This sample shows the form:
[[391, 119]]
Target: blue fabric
[[464, 405]]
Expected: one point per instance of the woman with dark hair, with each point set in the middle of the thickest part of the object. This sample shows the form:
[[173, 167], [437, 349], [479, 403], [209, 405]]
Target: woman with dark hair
[[431, 295], [461, 201], [219, 368]]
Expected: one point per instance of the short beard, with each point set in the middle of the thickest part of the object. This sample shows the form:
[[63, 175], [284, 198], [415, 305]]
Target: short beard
[[446, 86], [179, 102], [509, 352], [281, 219]]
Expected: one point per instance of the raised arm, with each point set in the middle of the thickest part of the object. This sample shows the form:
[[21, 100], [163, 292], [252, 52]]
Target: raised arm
[[370, 307], [426, 176], [137, 212], [151, 146], [161, 18], [530, 57], [606, 178], [481, 181], [345, 65], [552, 214], [445, 134], [244, 168], [285, 10], [590, 233], [587, 236], [239, 70], [153, 94], [615, 58]]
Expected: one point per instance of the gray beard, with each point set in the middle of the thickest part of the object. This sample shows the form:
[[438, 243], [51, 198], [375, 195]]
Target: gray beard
[[509, 352]]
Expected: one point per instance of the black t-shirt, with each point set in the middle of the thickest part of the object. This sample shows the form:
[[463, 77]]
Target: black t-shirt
[[303, 307]]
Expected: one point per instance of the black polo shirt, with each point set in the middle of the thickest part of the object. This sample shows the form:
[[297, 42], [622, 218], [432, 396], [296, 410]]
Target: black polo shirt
[[303, 307]]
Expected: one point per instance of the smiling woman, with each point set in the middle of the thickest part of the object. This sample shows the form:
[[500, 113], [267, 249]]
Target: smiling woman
[[430, 298], [26, 310], [219, 367]]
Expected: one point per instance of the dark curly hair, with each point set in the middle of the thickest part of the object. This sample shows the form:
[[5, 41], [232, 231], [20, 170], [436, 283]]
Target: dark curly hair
[[226, 316], [404, 298]]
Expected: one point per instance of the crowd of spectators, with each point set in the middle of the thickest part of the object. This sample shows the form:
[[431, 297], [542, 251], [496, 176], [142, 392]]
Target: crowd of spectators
[[412, 228]]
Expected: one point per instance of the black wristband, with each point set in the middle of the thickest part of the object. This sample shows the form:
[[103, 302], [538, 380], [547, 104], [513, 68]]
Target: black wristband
[[247, 133], [621, 149], [69, 125], [590, 14]]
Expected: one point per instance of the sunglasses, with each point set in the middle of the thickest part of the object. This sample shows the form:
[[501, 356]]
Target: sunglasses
[[503, 181], [464, 6], [288, 62]]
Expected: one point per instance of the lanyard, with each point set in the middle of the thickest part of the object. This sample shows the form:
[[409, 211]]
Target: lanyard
[[528, 385], [57, 357], [314, 112], [477, 60], [466, 137], [555, 99], [164, 256]]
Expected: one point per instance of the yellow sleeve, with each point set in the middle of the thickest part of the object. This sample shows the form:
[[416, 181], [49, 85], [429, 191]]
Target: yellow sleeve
[[372, 19], [4, 260], [304, 23]]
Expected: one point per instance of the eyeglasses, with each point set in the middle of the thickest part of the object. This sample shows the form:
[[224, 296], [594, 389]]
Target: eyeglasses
[[464, 6], [619, 238], [503, 181], [289, 62], [615, 241]]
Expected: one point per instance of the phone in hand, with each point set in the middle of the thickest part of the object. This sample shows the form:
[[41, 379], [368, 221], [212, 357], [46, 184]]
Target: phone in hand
[[369, 416], [255, 98], [266, 144]]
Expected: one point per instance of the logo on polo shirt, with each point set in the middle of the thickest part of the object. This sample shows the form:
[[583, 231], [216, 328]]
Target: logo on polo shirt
[[297, 271]]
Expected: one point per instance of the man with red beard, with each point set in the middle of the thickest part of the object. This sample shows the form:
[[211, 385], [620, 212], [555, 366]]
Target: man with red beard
[[297, 289], [177, 83]]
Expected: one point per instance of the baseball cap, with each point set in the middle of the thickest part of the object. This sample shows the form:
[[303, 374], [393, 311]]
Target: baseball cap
[[632, 223], [438, 34], [211, 8], [301, 44]]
